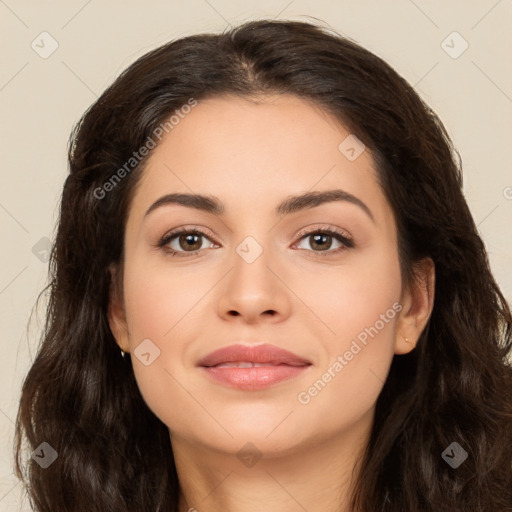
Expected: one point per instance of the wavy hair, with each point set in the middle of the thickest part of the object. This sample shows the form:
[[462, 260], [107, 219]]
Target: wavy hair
[[80, 396]]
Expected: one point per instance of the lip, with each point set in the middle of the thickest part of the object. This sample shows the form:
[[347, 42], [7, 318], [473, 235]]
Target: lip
[[263, 353], [280, 365]]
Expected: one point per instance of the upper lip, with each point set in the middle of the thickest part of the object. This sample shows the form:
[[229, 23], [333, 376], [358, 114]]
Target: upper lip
[[264, 353]]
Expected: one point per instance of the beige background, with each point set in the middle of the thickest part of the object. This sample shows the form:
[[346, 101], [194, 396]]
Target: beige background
[[41, 99]]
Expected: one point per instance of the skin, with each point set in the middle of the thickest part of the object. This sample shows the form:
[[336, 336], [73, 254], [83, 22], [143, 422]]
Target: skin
[[252, 155]]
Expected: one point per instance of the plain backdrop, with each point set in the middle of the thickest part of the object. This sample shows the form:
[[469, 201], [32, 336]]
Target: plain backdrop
[[57, 58]]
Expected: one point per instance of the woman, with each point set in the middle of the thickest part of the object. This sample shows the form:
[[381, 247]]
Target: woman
[[267, 291]]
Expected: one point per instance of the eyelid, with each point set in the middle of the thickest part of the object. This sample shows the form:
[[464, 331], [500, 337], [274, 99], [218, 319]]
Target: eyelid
[[323, 228], [186, 228]]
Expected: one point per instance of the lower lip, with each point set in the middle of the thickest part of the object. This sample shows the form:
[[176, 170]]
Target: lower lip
[[257, 377]]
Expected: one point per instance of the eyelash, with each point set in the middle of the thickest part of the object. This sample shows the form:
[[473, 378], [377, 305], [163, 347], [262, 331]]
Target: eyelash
[[333, 232]]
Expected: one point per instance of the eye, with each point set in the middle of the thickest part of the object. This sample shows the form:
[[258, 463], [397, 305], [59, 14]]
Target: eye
[[190, 240], [320, 241]]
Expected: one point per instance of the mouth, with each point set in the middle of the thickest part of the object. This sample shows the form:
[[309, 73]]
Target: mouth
[[251, 364], [253, 354], [252, 368]]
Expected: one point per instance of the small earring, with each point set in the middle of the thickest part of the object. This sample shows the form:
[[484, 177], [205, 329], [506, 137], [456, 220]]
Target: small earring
[[123, 354], [407, 340]]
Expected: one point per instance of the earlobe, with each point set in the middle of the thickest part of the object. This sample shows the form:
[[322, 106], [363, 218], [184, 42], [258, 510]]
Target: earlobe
[[116, 314], [418, 302], [405, 345]]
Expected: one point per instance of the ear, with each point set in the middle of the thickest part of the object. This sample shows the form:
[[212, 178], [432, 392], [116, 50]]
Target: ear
[[116, 313], [417, 304]]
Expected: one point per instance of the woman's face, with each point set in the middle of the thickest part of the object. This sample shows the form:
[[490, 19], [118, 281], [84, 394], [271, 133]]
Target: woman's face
[[262, 274]]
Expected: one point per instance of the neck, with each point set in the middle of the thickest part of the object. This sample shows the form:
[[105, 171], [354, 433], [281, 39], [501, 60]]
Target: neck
[[312, 475]]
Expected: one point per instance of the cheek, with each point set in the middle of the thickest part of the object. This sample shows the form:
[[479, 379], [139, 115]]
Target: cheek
[[160, 299], [349, 298], [346, 388], [163, 305], [359, 315]]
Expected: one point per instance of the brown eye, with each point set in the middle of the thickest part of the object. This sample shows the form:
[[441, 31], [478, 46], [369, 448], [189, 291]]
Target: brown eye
[[184, 242], [321, 241], [190, 241]]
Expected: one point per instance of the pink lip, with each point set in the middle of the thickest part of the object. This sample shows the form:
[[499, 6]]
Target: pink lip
[[255, 354], [282, 365]]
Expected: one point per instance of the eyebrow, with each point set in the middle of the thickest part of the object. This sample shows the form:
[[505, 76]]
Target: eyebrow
[[293, 204]]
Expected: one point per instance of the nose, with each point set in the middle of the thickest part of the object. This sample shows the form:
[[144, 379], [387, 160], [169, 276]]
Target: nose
[[254, 290]]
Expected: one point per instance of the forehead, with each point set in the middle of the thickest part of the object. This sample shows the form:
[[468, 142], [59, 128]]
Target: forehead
[[251, 153]]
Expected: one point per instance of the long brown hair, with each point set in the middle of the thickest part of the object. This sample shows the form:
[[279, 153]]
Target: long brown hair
[[456, 387]]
